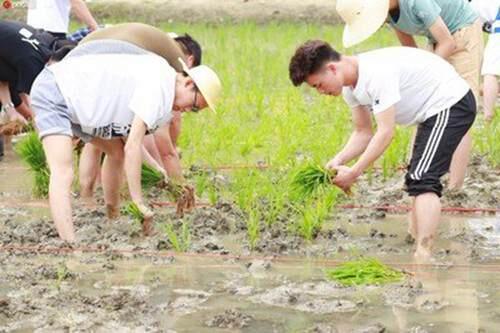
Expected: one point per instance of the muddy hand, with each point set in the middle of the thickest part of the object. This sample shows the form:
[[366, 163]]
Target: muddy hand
[[186, 200], [147, 221]]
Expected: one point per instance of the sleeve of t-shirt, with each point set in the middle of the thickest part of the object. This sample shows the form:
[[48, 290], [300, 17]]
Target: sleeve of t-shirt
[[383, 88], [146, 102], [426, 11], [349, 97]]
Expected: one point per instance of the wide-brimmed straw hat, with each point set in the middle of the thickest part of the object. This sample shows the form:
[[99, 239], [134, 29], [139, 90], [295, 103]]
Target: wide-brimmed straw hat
[[207, 82], [362, 18]]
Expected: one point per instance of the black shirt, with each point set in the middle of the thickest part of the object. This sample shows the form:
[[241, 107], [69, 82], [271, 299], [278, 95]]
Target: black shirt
[[24, 51]]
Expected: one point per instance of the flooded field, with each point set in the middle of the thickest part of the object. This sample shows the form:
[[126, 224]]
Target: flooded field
[[115, 280]]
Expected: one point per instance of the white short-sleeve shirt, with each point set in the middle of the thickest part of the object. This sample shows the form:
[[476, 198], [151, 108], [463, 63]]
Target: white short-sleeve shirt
[[104, 92], [418, 83], [50, 15]]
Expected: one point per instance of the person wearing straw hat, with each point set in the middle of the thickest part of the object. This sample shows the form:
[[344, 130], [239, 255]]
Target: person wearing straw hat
[[452, 28], [92, 97], [134, 38], [397, 85]]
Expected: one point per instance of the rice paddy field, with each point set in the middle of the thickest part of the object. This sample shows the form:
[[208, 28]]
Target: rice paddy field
[[256, 255]]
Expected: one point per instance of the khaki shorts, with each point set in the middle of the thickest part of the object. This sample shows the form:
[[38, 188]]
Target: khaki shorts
[[468, 57]]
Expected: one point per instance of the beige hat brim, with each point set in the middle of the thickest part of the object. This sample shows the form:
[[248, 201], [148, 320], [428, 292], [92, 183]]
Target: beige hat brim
[[366, 23], [185, 68]]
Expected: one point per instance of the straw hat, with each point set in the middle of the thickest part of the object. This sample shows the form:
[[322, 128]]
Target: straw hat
[[362, 18], [206, 80]]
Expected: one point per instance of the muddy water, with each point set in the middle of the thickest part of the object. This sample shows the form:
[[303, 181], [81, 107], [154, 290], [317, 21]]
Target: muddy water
[[123, 292]]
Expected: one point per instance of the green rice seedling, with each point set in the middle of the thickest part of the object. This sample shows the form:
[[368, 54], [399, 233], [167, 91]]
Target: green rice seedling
[[182, 241], [134, 212], [310, 179], [365, 271], [313, 213], [31, 151], [150, 177], [253, 227]]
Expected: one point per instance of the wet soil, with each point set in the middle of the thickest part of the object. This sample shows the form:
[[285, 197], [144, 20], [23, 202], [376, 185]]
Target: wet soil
[[115, 279]]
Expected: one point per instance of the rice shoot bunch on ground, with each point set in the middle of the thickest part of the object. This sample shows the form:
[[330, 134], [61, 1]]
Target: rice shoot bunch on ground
[[135, 213], [150, 177], [30, 149], [310, 179], [365, 271]]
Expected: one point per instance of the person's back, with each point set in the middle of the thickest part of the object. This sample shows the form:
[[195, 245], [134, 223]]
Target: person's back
[[103, 97], [50, 15], [144, 36], [420, 84]]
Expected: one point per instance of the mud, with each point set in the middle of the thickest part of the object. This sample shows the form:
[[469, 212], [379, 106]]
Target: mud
[[126, 286]]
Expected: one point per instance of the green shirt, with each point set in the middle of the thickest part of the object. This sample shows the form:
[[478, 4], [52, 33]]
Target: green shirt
[[416, 16]]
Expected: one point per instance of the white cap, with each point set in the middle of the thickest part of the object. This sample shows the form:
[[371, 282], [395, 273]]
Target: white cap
[[172, 35], [207, 82], [362, 18]]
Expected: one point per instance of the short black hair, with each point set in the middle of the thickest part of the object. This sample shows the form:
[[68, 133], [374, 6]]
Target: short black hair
[[190, 46], [62, 52], [309, 58]]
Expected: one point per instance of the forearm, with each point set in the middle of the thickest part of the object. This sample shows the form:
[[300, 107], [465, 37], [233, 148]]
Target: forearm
[[5, 97], [445, 49], [82, 13], [376, 147], [133, 165], [150, 160], [173, 166], [355, 146]]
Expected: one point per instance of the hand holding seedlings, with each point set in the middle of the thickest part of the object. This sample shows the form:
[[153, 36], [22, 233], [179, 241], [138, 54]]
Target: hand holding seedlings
[[186, 200], [345, 178], [142, 214]]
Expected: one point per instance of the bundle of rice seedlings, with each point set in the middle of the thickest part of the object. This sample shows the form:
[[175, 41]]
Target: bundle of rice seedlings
[[31, 151], [310, 179], [135, 213], [365, 271], [150, 177]]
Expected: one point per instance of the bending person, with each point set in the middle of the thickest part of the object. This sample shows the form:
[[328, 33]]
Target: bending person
[[92, 97]]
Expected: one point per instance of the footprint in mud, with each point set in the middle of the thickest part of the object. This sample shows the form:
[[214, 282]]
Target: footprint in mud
[[188, 302], [326, 298], [231, 318]]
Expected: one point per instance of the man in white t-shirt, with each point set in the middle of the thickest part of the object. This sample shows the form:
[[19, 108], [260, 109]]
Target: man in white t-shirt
[[489, 13], [397, 85], [53, 15], [94, 98]]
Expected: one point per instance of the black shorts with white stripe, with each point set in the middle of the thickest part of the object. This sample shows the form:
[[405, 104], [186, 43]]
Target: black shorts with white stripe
[[436, 141]]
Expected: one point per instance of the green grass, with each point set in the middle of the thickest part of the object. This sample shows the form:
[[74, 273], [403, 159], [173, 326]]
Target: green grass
[[30, 149], [365, 271]]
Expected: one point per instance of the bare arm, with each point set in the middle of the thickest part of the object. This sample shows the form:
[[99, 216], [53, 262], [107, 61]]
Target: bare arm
[[82, 13], [405, 39], [133, 159], [386, 123], [358, 140], [175, 127], [6, 99], [146, 156], [445, 44], [168, 153]]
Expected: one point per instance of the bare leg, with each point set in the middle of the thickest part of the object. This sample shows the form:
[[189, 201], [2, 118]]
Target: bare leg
[[89, 170], [459, 162], [428, 214], [112, 173], [490, 94], [59, 152], [412, 221]]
